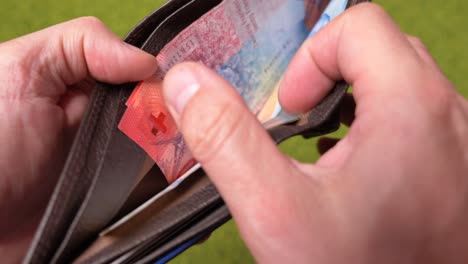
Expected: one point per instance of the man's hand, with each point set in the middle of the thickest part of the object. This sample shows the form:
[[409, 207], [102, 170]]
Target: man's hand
[[394, 190], [45, 81]]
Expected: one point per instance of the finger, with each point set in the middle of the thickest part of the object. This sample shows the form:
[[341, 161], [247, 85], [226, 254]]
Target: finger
[[427, 58], [365, 48], [74, 103], [67, 53], [324, 144], [422, 50], [347, 110], [222, 133], [232, 146]]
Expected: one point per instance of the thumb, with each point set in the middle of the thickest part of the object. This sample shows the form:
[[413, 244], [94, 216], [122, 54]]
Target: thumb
[[67, 53], [222, 133], [90, 48], [252, 175]]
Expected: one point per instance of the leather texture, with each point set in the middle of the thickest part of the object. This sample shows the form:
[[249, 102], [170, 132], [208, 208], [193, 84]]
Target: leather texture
[[103, 167]]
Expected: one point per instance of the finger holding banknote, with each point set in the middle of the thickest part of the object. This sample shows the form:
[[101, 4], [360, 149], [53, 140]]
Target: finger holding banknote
[[393, 190], [402, 161], [256, 180]]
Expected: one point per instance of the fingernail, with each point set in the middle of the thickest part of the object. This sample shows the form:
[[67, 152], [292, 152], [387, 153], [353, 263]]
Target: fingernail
[[181, 86]]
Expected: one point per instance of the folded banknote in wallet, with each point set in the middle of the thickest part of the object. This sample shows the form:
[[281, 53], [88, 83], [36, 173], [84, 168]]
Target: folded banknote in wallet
[[130, 191]]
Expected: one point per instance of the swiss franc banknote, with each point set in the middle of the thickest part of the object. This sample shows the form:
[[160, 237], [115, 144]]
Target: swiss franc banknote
[[315, 20], [248, 42]]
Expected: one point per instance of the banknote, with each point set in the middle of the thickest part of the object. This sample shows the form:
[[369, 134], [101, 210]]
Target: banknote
[[334, 9], [272, 112], [248, 42]]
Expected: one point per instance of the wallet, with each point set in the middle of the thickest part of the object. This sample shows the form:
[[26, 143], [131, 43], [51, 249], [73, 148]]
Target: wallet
[[110, 205]]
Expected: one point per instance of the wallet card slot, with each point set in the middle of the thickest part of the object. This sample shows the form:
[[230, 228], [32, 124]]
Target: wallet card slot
[[154, 182], [159, 241], [193, 197], [204, 226]]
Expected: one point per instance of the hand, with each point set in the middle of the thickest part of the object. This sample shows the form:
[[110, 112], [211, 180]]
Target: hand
[[45, 82], [394, 190]]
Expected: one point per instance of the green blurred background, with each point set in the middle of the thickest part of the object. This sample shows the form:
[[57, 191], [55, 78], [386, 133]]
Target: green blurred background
[[442, 25]]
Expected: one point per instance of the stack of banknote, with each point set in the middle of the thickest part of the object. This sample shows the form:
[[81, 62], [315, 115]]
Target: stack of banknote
[[249, 43]]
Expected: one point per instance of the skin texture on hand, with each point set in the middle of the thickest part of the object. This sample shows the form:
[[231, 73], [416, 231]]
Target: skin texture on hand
[[394, 190], [45, 82]]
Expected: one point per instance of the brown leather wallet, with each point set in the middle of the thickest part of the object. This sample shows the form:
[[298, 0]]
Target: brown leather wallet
[[101, 181]]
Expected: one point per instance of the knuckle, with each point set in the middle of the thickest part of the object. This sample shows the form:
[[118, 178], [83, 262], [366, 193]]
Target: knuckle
[[366, 19], [440, 101], [437, 99], [209, 126], [415, 40], [368, 11], [366, 16], [89, 22], [81, 45], [417, 43]]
